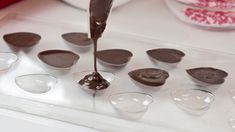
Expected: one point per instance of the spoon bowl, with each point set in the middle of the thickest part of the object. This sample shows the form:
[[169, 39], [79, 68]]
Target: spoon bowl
[[78, 40], [131, 104], [7, 60], [36, 83], [114, 57], [193, 101]]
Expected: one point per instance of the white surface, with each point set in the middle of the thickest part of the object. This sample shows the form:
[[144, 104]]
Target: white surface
[[18, 122], [145, 17]]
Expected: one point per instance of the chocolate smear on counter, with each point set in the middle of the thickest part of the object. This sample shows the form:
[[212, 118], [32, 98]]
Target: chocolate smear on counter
[[114, 57], [149, 76], [22, 39], [59, 58], [166, 55], [208, 75]]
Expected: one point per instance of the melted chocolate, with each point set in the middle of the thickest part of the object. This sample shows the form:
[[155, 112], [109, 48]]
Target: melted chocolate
[[22, 39], [99, 11], [58, 58], [166, 55], [94, 81], [149, 76], [79, 39], [115, 57], [208, 75]]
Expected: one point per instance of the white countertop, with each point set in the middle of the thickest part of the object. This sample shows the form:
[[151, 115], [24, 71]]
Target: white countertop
[[144, 17]]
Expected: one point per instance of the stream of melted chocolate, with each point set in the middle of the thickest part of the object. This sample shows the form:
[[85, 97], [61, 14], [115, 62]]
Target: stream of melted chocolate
[[99, 11]]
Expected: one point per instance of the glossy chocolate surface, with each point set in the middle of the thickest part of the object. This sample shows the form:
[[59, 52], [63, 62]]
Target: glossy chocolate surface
[[149, 76], [22, 39], [208, 75], [166, 55], [94, 81], [58, 58], [114, 57], [79, 39], [99, 11]]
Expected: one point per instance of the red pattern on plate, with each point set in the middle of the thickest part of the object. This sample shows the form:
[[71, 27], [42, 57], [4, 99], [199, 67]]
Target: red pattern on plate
[[210, 17], [216, 3], [221, 4]]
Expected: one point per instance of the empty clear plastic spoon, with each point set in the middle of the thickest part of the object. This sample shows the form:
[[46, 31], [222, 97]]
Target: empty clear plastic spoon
[[36, 83], [7, 60], [131, 105], [193, 101]]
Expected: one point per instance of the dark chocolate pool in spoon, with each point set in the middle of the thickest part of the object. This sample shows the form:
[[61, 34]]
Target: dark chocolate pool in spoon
[[94, 81], [77, 39], [59, 58], [98, 14], [149, 76], [22, 39], [114, 57], [166, 55], [208, 75]]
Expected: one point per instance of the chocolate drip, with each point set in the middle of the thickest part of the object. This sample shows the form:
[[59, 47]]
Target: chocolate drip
[[95, 55], [99, 11]]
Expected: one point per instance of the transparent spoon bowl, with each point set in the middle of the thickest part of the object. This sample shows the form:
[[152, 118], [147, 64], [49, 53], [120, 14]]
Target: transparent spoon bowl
[[36, 83], [7, 60], [131, 104], [193, 101]]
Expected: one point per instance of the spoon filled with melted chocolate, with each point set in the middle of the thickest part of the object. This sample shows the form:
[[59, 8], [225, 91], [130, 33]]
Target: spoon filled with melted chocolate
[[149, 76], [77, 39], [114, 57], [98, 13], [21, 40]]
